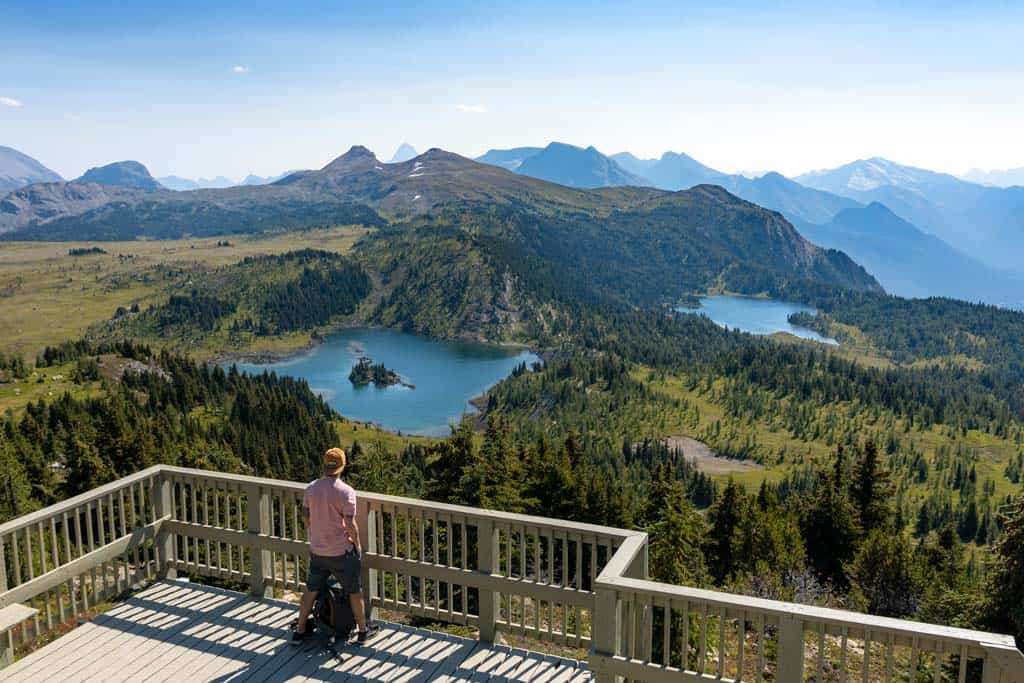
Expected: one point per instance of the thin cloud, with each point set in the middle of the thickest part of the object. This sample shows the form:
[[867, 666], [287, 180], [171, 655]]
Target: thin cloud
[[72, 116], [240, 69], [11, 102], [471, 108]]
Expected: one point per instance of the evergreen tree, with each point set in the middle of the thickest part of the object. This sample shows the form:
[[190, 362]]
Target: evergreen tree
[[882, 576], [830, 530], [723, 518], [1005, 586], [676, 531], [871, 491]]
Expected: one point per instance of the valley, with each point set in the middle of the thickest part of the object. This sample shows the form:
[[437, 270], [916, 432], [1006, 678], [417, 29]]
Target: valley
[[555, 310]]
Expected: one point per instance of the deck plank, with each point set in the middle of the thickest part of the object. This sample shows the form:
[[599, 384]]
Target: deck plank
[[81, 634], [137, 637], [175, 630], [236, 650], [50, 661], [189, 650]]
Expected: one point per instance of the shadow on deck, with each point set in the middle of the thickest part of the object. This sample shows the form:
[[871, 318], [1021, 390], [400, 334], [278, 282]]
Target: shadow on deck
[[181, 631]]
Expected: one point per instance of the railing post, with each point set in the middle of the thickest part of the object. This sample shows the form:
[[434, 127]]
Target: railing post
[[790, 664], [486, 563], [163, 502], [607, 630], [258, 502], [6, 649], [368, 540]]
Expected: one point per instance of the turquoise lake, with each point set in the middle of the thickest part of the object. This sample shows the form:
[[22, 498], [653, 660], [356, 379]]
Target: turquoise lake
[[446, 375], [757, 316]]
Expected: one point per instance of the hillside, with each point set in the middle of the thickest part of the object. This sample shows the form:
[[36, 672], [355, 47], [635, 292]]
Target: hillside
[[18, 170], [909, 262]]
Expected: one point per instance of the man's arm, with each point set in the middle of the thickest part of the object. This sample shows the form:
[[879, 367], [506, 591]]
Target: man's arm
[[352, 531]]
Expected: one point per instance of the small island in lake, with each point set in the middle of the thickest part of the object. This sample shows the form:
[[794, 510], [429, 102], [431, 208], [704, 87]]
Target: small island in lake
[[366, 371]]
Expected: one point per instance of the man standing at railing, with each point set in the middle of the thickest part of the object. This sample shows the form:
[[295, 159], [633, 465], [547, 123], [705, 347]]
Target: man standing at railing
[[328, 511]]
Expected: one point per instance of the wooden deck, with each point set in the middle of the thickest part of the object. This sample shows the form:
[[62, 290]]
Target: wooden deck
[[178, 631]]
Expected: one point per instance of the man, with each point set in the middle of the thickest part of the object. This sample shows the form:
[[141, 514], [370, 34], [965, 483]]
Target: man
[[328, 511]]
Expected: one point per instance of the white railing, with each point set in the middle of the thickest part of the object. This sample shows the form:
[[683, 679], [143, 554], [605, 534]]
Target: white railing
[[575, 584]]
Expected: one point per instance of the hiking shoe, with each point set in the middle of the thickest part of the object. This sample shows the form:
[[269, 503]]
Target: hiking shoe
[[299, 638], [371, 632]]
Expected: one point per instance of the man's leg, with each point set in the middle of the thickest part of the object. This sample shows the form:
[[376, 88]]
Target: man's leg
[[352, 581], [305, 607], [316, 579], [358, 610]]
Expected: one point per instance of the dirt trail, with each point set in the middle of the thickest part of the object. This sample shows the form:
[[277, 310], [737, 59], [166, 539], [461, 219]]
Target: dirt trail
[[706, 458]]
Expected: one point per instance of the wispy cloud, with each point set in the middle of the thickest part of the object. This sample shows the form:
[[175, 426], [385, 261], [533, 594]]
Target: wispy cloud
[[11, 102], [240, 69], [471, 108], [72, 116]]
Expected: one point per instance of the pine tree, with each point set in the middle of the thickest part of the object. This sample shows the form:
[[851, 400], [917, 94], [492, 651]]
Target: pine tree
[[676, 531], [723, 518], [830, 529], [882, 576], [871, 490], [1005, 586]]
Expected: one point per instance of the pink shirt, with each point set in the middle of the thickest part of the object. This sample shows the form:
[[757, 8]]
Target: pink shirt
[[329, 500]]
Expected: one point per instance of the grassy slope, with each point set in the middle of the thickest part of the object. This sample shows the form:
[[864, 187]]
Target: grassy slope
[[47, 296], [990, 453]]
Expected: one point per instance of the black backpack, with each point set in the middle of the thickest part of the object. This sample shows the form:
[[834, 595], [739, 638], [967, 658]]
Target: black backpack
[[332, 613]]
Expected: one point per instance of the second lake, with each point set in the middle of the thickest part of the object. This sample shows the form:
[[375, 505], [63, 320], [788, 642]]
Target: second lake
[[757, 316], [446, 376]]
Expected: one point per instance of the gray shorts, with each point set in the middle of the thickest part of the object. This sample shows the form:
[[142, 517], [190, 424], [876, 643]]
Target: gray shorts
[[346, 570]]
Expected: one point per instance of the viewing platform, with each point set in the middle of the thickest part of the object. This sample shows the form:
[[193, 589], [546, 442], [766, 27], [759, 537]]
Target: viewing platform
[[580, 587]]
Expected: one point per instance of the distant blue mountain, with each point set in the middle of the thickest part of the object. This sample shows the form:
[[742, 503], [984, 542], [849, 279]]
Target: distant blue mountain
[[1009, 177], [510, 159], [404, 152], [173, 182], [568, 165], [910, 262], [673, 171], [18, 170], [677, 171], [984, 222]]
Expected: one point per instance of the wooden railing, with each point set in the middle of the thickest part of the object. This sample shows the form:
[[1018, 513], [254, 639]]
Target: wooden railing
[[574, 584]]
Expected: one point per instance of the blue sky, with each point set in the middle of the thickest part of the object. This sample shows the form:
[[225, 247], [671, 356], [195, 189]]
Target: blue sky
[[740, 86]]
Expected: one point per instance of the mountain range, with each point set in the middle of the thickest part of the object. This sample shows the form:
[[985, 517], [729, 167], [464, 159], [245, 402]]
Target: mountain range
[[985, 222], [173, 182], [637, 243], [920, 199], [997, 178], [835, 209]]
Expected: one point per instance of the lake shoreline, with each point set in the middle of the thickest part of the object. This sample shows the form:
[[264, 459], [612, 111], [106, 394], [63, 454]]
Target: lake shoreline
[[758, 315], [289, 354], [441, 380]]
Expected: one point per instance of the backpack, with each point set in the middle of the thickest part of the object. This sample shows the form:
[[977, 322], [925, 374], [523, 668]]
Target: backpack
[[332, 613]]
